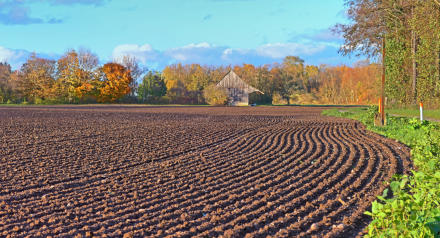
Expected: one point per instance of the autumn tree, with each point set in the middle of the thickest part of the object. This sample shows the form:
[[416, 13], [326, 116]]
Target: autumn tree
[[310, 80], [174, 77], [367, 27], [136, 71], [185, 83], [115, 82], [328, 89], [36, 79], [289, 77], [248, 73], [215, 96], [77, 75], [217, 73], [349, 85], [195, 82], [68, 75], [264, 83], [411, 31]]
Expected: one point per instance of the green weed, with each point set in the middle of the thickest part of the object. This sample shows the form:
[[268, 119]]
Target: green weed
[[410, 207], [434, 114]]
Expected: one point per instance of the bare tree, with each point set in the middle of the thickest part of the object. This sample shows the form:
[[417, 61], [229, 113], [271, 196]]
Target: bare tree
[[87, 60], [364, 35], [136, 71], [371, 21]]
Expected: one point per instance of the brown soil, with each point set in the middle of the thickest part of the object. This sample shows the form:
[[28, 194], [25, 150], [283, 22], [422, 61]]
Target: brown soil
[[189, 172]]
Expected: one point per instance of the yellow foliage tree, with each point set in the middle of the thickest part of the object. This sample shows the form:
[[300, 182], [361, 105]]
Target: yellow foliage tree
[[76, 74], [35, 79], [214, 95]]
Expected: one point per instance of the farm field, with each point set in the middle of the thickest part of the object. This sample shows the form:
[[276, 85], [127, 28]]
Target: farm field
[[189, 172]]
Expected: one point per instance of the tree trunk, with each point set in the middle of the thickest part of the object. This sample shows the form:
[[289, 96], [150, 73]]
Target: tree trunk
[[438, 65], [414, 65], [382, 97]]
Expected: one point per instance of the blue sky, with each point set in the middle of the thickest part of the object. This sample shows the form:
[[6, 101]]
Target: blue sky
[[162, 32]]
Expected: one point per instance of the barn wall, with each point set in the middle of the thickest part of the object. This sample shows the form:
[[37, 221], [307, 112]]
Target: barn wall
[[239, 97]]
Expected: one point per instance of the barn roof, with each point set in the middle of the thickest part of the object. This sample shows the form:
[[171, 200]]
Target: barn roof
[[232, 80]]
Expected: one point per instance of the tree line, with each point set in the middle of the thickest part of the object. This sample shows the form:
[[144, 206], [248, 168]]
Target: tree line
[[77, 77], [409, 30], [291, 81]]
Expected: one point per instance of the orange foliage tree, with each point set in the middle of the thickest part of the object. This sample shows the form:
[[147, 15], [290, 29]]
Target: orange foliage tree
[[115, 82], [349, 85]]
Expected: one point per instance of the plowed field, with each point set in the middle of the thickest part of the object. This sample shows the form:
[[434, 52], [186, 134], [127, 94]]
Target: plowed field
[[189, 172]]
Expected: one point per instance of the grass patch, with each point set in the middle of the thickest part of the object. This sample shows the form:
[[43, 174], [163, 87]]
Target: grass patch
[[432, 114], [414, 208]]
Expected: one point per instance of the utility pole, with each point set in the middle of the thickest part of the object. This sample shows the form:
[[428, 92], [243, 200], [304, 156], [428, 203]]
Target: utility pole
[[382, 98]]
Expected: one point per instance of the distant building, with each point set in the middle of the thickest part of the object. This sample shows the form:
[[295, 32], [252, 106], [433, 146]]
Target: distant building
[[238, 90]]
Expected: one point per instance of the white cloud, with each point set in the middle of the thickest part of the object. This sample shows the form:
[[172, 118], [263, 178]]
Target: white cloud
[[71, 2], [143, 53], [202, 53], [208, 54], [200, 45], [281, 50], [228, 51], [5, 54], [327, 35], [180, 57], [14, 57]]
